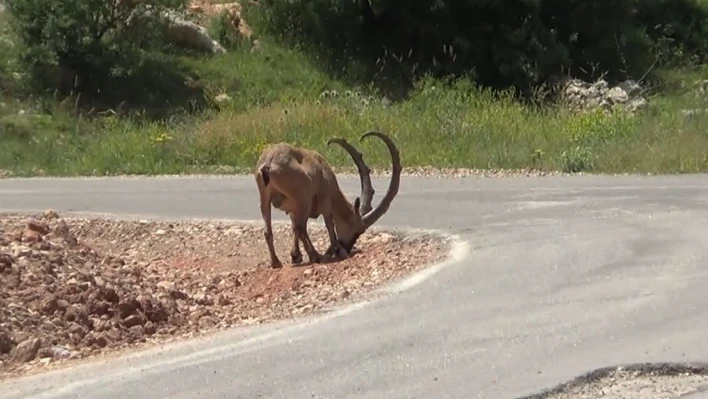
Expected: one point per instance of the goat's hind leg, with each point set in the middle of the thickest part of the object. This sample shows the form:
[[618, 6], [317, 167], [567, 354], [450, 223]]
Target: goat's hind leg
[[268, 233], [295, 253]]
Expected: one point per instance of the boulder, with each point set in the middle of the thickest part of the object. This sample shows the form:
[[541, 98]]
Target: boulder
[[189, 34], [181, 31]]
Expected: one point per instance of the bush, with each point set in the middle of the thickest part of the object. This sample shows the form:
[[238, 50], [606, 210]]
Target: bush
[[577, 159], [84, 46], [8, 60], [221, 30], [517, 43], [678, 30]]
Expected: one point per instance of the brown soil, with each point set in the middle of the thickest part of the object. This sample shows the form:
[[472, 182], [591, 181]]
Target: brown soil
[[74, 288]]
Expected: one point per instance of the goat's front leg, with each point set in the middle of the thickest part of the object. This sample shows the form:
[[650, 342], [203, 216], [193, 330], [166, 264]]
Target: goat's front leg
[[300, 226], [335, 248]]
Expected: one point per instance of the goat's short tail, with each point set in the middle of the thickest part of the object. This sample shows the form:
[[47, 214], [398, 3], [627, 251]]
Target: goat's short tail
[[265, 174]]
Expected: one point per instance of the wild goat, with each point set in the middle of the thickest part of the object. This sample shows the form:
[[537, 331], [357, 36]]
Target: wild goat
[[301, 183]]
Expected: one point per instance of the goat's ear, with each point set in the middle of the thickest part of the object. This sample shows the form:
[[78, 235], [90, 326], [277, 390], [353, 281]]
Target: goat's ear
[[356, 205]]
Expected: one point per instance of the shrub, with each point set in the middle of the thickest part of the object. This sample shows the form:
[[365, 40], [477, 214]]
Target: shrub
[[222, 31], [85, 45], [517, 43], [577, 159]]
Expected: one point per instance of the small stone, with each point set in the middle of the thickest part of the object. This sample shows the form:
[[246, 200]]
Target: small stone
[[60, 352], [203, 299], [166, 285], [31, 236], [160, 232], [20, 251], [637, 104], [134, 320], [630, 87], [149, 328], [77, 330], [6, 260], [223, 300], [51, 214], [222, 98], [26, 351], [127, 307], [38, 227], [206, 322], [177, 294], [137, 331], [617, 95], [50, 306], [6, 343], [99, 308]]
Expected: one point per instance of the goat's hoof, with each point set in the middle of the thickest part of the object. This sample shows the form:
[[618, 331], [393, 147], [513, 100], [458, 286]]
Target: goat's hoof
[[342, 254], [337, 252], [296, 259], [276, 265]]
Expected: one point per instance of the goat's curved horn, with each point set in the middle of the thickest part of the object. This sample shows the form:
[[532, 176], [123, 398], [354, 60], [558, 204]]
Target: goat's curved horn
[[371, 217], [367, 189]]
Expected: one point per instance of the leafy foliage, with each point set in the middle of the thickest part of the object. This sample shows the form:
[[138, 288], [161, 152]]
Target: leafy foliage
[[517, 43], [222, 31], [90, 46]]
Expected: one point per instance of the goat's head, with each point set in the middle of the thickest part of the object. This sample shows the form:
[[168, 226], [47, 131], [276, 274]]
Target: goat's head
[[362, 214]]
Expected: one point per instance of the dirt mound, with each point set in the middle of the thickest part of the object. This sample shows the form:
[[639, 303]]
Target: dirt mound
[[70, 288]]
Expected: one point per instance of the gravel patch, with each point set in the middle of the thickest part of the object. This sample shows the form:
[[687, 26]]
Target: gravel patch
[[408, 171], [636, 381], [424, 171], [73, 288]]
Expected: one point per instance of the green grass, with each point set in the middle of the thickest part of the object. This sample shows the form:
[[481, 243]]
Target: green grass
[[275, 96]]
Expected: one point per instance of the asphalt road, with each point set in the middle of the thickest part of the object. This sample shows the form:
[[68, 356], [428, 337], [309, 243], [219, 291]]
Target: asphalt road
[[562, 275]]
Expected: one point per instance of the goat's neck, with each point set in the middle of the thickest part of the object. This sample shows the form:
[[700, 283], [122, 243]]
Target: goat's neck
[[341, 209]]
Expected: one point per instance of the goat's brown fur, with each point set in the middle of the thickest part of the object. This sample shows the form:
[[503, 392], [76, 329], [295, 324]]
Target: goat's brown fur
[[300, 182]]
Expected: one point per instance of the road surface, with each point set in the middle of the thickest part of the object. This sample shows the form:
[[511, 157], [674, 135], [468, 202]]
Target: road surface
[[562, 275]]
